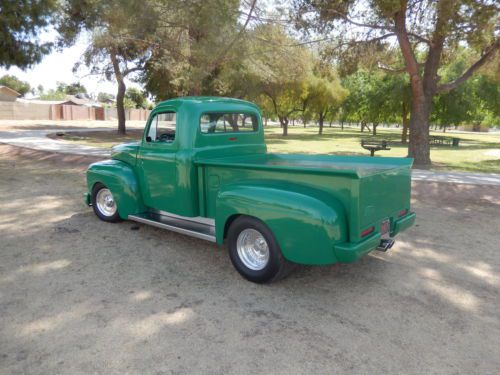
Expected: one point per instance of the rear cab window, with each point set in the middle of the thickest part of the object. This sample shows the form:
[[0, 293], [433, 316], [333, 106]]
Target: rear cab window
[[219, 122]]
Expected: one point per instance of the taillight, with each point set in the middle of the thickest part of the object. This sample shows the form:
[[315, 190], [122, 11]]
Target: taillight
[[402, 213], [367, 231]]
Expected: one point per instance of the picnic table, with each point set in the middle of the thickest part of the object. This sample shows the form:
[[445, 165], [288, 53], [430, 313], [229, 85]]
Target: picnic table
[[437, 140]]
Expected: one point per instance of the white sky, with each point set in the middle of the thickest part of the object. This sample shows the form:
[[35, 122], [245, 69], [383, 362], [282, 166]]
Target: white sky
[[58, 66]]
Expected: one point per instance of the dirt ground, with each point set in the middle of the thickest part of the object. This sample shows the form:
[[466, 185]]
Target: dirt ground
[[79, 296], [98, 138]]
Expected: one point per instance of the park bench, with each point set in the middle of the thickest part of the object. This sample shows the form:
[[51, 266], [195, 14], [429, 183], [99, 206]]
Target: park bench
[[373, 146]]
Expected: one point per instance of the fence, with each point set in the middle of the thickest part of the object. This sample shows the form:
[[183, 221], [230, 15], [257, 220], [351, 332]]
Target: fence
[[35, 111], [130, 114], [24, 111]]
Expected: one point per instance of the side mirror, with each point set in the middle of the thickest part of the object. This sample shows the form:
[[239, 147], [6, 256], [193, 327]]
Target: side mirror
[[148, 139]]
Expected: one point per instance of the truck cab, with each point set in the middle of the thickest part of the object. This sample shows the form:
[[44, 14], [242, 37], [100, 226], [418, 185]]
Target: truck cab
[[202, 169]]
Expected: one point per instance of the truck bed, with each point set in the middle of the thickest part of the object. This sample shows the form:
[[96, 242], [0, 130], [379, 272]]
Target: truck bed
[[354, 166], [371, 189]]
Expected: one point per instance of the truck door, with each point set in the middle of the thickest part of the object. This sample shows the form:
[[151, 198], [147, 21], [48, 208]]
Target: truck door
[[157, 161]]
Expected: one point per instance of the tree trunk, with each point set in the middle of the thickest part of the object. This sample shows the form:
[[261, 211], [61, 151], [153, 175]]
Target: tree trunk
[[321, 120], [365, 125], [375, 124], [265, 121], [423, 87], [120, 107], [342, 125], [195, 90], [284, 124], [418, 147], [404, 134], [120, 95], [233, 121]]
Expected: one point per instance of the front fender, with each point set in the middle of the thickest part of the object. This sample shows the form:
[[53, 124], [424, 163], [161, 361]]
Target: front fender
[[120, 178], [306, 222]]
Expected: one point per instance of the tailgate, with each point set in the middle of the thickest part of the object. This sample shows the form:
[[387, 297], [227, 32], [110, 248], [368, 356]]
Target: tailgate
[[383, 196]]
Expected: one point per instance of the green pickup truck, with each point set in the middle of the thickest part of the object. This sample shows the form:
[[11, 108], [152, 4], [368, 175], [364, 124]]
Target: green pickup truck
[[202, 169]]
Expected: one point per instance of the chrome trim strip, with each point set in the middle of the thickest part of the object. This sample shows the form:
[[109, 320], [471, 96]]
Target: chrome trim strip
[[173, 228], [196, 219]]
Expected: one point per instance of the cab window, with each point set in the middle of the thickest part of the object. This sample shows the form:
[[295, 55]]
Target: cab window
[[162, 128], [228, 123]]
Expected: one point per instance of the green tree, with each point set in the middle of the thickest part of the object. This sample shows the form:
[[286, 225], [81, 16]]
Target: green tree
[[22, 87], [74, 89], [359, 106], [487, 91], [198, 42], [376, 97], [275, 72], [52, 94], [324, 92], [428, 34], [136, 97], [390, 101], [20, 25], [475, 101], [104, 96], [119, 47], [62, 90]]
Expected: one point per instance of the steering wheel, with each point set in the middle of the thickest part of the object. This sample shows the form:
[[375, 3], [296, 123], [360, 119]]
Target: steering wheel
[[167, 137]]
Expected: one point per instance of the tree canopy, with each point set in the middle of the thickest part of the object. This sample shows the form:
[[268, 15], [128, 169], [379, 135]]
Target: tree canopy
[[118, 48], [22, 87], [415, 62], [428, 33], [21, 22]]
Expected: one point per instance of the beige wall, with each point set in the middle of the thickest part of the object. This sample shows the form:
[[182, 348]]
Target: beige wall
[[24, 111], [130, 114], [32, 111]]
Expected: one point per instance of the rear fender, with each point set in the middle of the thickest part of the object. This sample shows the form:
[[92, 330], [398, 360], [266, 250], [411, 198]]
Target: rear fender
[[119, 177], [306, 222]]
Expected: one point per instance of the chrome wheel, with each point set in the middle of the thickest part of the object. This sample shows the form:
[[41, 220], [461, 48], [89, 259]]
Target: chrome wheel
[[105, 202], [253, 249]]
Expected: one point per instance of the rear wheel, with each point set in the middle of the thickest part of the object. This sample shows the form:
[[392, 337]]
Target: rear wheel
[[255, 252], [104, 204]]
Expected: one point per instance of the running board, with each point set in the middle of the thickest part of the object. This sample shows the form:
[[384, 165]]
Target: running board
[[182, 226]]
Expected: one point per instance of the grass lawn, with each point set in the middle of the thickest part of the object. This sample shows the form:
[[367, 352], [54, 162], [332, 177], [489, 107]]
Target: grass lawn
[[477, 152]]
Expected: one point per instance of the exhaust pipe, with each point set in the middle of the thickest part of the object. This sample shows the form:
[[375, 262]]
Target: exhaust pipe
[[385, 244]]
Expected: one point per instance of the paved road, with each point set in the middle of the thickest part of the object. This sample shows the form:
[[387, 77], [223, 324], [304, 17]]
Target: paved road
[[457, 177], [38, 140]]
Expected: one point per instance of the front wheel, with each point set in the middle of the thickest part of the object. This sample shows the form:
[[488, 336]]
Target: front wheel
[[255, 252], [104, 204]]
